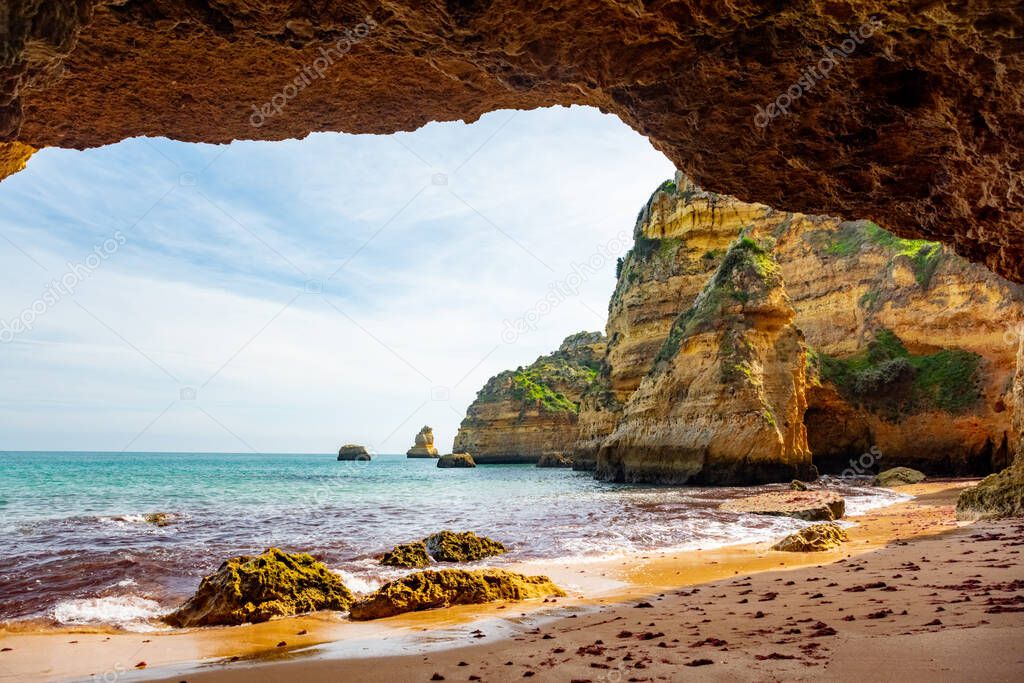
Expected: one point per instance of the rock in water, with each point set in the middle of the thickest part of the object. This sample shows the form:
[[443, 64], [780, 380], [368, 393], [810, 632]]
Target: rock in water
[[724, 402], [159, 518], [520, 415], [408, 555], [815, 538], [898, 476], [256, 588], [424, 447], [433, 589], [456, 460], [448, 546], [797, 485], [812, 506], [351, 451], [554, 460]]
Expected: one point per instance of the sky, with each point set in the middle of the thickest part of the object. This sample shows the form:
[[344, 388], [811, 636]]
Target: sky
[[288, 297]]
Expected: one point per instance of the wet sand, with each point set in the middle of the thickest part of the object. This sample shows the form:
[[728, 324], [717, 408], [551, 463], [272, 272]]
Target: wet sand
[[913, 596]]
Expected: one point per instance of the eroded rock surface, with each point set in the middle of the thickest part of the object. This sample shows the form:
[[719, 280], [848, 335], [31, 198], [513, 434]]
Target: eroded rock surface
[[407, 555], [812, 506], [447, 587], [882, 110], [351, 451], [815, 538], [898, 476], [257, 588], [423, 446], [456, 460], [449, 546], [724, 402]]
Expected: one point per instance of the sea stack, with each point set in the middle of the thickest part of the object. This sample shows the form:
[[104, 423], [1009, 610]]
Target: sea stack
[[351, 451], [424, 447]]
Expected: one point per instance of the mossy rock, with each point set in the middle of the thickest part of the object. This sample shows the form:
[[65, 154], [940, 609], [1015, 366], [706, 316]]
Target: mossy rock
[[797, 485], [249, 589], [159, 518], [898, 476], [815, 538], [456, 460], [407, 555], [448, 546], [997, 495], [444, 588]]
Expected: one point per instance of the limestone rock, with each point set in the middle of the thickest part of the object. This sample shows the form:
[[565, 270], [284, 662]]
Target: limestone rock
[[724, 402], [908, 356], [408, 555], [520, 415], [449, 546], [424, 445], [997, 495], [898, 476], [815, 538], [554, 460], [456, 460], [812, 506], [864, 142], [447, 587], [257, 588], [351, 451]]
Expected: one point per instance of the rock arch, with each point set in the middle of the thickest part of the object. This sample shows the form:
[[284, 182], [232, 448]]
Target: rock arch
[[911, 115]]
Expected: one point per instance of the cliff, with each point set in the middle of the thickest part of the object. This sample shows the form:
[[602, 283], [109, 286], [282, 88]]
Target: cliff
[[520, 415], [907, 349], [724, 402]]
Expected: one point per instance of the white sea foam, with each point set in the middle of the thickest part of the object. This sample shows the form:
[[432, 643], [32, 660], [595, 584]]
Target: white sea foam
[[128, 611]]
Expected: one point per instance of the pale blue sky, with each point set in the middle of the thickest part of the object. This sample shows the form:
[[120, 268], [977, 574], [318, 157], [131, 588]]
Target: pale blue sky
[[335, 289]]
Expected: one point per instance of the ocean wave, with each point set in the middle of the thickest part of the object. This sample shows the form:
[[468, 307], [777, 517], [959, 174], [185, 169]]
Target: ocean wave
[[130, 612]]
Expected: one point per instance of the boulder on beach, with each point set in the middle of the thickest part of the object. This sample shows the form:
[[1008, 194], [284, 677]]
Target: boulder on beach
[[797, 485], [424, 445], [813, 506], [456, 460], [449, 546], [997, 495], [447, 587], [407, 555], [815, 538], [898, 476], [351, 451], [554, 460], [249, 589]]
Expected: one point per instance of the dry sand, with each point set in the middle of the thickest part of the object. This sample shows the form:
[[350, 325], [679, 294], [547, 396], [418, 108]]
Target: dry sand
[[914, 596]]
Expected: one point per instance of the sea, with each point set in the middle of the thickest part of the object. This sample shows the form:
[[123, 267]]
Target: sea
[[79, 544]]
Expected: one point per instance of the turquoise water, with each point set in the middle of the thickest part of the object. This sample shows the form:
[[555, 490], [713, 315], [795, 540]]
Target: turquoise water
[[75, 546]]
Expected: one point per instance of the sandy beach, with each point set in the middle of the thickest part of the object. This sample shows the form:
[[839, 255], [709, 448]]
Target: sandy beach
[[914, 595]]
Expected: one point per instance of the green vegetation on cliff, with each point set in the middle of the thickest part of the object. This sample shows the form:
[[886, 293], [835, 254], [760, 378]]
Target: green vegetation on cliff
[[747, 271], [886, 375], [851, 237], [528, 385]]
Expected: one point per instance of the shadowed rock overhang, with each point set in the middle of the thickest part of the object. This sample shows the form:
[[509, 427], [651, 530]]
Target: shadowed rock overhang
[[907, 113]]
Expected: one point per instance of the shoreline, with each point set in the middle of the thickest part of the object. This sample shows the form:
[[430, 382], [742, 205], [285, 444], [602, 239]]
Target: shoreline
[[67, 653]]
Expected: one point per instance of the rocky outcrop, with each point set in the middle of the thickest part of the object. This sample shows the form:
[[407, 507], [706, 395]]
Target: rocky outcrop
[[449, 546], [407, 555], [257, 588], [424, 445], [456, 460], [868, 109], [351, 451], [898, 476], [1002, 494], [812, 506], [523, 414], [724, 401], [447, 587], [908, 352], [553, 460], [814, 539]]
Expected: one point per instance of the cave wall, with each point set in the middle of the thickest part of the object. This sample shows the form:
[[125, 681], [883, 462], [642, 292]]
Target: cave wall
[[907, 113]]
